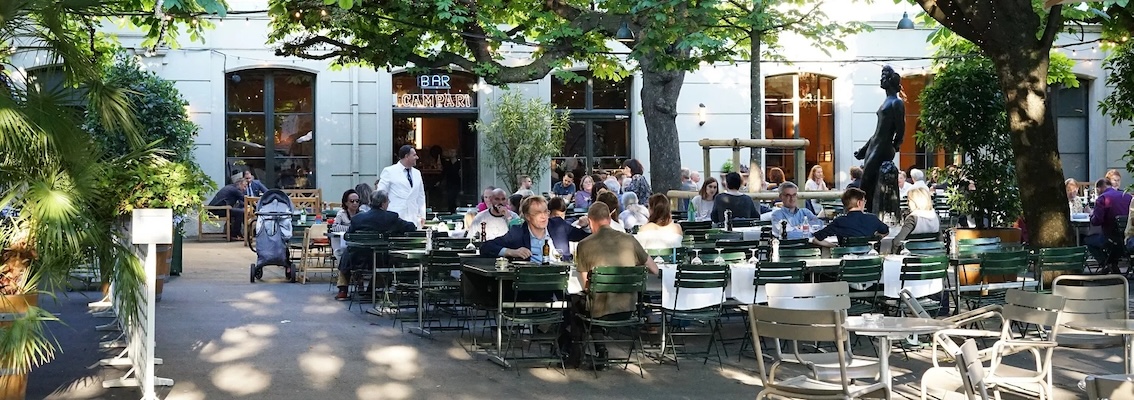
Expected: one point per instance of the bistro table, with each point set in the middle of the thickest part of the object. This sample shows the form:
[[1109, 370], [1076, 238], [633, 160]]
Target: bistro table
[[892, 328], [1113, 327]]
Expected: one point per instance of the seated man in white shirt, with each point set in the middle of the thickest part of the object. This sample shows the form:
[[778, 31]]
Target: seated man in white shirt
[[495, 217], [790, 212]]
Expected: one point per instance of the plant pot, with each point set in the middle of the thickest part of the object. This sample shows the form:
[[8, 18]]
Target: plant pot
[[164, 260], [14, 386], [970, 274]]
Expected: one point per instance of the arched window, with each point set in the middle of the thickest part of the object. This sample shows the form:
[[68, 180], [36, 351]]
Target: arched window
[[800, 106], [599, 134], [912, 154], [270, 126]]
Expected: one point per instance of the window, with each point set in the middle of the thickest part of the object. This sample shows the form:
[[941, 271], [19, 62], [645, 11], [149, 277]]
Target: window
[[270, 126], [599, 133], [800, 106], [1071, 105], [52, 81], [912, 154]]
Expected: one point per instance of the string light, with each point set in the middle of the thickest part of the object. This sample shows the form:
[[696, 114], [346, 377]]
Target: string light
[[323, 12]]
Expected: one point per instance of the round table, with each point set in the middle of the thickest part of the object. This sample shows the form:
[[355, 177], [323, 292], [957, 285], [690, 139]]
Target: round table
[[1124, 327], [892, 328]]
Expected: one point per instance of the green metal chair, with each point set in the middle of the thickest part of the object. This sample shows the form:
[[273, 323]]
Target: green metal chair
[[1054, 261], [867, 272], [379, 244], [925, 268], [977, 246], [669, 256], [796, 244], [610, 281], [696, 276], [442, 289], [689, 226], [993, 265], [529, 316], [771, 272]]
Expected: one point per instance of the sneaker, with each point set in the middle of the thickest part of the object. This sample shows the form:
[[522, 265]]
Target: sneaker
[[342, 295]]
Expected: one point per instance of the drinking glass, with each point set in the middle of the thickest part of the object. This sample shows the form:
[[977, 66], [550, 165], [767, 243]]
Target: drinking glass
[[873, 247], [696, 257], [659, 260], [754, 260], [719, 259], [905, 251]]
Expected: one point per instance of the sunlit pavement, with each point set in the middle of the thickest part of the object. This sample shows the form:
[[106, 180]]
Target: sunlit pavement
[[221, 337]]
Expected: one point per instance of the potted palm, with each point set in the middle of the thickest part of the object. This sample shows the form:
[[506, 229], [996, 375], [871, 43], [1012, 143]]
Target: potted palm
[[161, 173]]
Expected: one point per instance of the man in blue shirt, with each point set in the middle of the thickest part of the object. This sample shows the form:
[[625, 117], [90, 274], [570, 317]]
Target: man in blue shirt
[[856, 223], [790, 212]]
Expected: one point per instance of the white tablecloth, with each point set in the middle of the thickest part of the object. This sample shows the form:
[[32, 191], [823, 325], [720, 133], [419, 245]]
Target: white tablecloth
[[892, 279], [690, 299]]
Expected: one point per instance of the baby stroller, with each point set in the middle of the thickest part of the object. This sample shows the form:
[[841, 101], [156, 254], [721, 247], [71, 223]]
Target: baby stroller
[[272, 230]]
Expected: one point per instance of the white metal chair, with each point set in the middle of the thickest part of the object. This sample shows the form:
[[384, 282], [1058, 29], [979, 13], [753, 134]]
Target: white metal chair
[[831, 296], [1091, 298], [968, 376], [1021, 307], [1110, 387], [811, 325]]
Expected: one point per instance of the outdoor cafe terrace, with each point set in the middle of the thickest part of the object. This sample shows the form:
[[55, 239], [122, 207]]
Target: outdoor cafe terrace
[[431, 319]]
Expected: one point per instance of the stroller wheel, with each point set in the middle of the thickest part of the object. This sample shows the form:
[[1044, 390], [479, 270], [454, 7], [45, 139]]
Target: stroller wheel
[[260, 273], [252, 274]]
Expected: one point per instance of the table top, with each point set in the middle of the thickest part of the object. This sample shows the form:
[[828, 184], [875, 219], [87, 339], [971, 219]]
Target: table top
[[492, 272], [1107, 326], [409, 254], [895, 325]]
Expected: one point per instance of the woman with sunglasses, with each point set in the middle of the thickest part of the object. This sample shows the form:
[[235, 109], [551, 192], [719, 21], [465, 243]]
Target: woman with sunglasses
[[351, 203]]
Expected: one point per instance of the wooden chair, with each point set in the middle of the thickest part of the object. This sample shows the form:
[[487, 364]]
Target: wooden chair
[[810, 325], [1091, 298], [213, 216], [313, 256], [968, 376]]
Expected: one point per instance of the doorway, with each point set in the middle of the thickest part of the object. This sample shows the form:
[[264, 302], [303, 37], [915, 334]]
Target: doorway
[[447, 156]]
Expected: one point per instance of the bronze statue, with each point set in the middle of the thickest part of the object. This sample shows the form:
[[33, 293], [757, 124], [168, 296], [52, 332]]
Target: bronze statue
[[887, 139]]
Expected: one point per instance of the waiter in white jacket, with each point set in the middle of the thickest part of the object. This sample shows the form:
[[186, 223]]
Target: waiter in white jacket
[[404, 185]]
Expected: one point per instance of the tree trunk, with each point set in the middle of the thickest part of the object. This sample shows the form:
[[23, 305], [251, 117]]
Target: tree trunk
[[660, 89], [1023, 78], [756, 110]]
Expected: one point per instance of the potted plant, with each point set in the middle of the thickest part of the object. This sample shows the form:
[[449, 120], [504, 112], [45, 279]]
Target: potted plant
[[963, 112], [158, 172], [522, 136]]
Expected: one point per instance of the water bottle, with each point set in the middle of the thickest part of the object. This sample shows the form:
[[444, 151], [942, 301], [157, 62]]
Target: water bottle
[[429, 239], [692, 211]]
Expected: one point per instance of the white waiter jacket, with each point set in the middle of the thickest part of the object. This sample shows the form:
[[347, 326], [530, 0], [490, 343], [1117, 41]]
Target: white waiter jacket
[[405, 199]]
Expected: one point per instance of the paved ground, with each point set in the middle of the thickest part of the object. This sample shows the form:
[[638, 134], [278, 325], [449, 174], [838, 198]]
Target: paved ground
[[221, 337]]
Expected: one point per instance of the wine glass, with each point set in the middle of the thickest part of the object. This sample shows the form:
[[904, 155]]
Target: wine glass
[[659, 260], [754, 260], [905, 251], [719, 259], [696, 257], [873, 247]]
